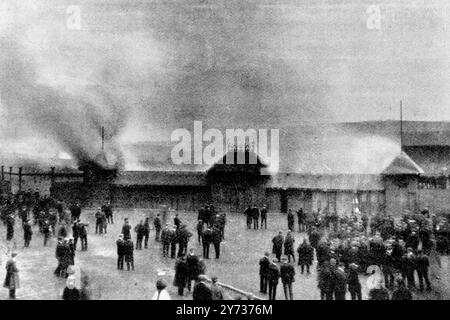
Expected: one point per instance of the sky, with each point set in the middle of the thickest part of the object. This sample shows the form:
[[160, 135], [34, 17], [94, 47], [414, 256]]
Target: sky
[[143, 68]]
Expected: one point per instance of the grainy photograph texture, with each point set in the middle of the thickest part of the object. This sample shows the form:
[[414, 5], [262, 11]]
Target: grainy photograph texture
[[224, 150]]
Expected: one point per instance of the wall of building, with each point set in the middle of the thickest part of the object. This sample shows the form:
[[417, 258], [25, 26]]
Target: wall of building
[[401, 194], [436, 200]]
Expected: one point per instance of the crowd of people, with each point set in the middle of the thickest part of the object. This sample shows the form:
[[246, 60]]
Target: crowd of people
[[345, 247], [350, 246]]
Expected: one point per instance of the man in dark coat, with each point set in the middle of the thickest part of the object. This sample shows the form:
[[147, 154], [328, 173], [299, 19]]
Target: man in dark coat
[[388, 269], [263, 213], [12, 276], [202, 291], [305, 256], [301, 219], [200, 225], [82, 233], [314, 237], [174, 240], [75, 233], [126, 229], [248, 214], [339, 281], [46, 230], [165, 239], [323, 252], [354, 285], [177, 221], [193, 266], [325, 281], [273, 278], [287, 273], [99, 218], [277, 248], [27, 233], [207, 238], [289, 246], [129, 253], [146, 231], [264, 264], [201, 215], [181, 275], [75, 211], [183, 239], [216, 240], [107, 210], [422, 265], [157, 225], [408, 267], [120, 243], [10, 227], [255, 217], [290, 220], [140, 232]]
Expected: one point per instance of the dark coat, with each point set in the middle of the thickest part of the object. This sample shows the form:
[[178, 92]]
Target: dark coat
[[71, 294], [201, 292], [264, 264], [277, 244], [289, 245], [314, 238], [126, 231], [274, 273], [305, 254], [287, 273], [193, 266], [12, 275], [181, 273], [157, 223], [353, 280], [207, 236], [120, 247]]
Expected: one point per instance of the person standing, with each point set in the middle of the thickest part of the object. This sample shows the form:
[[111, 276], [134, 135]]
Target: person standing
[[146, 232], [107, 209], [287, 273], [177, 221], [193, 267], [248, 214], [166, 240], [216, 240], [207, 237], [305, 256], [27, 233], [47, 231], [82, 233], [181, 275], [129, 253], [422, 265], [340, 282], [10, 221], [277, 248], [199, 231], [264, 264], [75, 233], [289, 246], [99, 221], [264, 217], [183, 239], [290, 220], [273, 278], [126, 229], [120, 243], [255, 217], [174, 239], [301, 220], [75, 211], [12, 282], [354, 286], [140, 231], [158, 226]]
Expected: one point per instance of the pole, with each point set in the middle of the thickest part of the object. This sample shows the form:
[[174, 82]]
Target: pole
[[401, 126], [3, 172], [103, 138], [20, 179]]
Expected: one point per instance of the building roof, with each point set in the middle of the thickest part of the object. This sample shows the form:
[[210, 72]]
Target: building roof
[[160, 178], [402, 165]]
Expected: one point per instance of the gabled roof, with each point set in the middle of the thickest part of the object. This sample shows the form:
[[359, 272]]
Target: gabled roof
[[402, 165], [160, 178], [238, 161]]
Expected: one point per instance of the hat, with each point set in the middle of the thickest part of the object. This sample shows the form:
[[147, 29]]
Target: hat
[[202, 277], [161, 284]]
